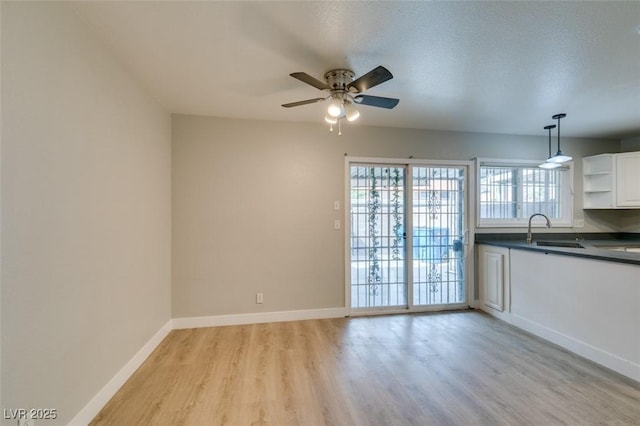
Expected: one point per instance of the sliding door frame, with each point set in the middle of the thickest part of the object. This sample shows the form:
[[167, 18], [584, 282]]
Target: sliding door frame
[[470, 214]]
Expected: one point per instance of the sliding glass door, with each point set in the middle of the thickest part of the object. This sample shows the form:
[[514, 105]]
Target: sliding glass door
[[377, 202], [407, 225], [438, 213]]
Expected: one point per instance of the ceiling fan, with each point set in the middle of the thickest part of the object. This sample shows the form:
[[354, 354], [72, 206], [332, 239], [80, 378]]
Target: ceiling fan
[[345, 92]]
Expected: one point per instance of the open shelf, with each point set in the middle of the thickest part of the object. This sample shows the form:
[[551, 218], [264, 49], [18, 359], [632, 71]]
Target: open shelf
[[598, 181]]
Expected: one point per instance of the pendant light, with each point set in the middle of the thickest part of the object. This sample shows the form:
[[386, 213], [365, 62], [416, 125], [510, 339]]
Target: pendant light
[[547, 164], [559, 157]]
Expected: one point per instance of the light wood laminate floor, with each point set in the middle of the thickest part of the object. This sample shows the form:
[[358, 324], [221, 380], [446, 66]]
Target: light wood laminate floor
[[458, 368]]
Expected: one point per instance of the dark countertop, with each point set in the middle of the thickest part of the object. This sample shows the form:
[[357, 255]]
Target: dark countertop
[[594, 244]]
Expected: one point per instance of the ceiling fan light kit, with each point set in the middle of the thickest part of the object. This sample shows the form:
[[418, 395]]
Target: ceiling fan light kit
[[336, 108], [351, 112], [344, 93], [559, 158], [331, 120]]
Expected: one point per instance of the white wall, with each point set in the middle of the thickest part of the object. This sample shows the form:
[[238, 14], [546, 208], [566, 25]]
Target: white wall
[[253, 205], [86, 217]]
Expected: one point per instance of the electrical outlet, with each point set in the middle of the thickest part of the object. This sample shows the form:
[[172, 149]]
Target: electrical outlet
[[578, 223], [336, 224], [26, 422], [259, 298]]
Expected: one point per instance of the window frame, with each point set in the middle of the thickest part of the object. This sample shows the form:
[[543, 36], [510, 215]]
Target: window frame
[[566, 189]]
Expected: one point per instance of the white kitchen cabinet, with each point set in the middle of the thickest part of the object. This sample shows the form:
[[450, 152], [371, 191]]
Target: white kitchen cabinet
[[493, 277], [611, 181], [628, 179]]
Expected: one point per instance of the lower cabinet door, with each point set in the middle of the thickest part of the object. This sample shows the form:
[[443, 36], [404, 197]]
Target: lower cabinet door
[[493, 275]]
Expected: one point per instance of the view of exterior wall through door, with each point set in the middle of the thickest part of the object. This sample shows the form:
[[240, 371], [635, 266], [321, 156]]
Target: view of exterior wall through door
[[407, 227]]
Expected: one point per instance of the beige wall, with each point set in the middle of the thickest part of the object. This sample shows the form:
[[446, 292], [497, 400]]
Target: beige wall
[[253, 211], [253, 205], [630, 221], [630, 144], [86, 214]]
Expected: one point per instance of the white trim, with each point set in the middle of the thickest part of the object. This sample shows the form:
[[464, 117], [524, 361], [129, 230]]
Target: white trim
[[503, 316], [86, 414], [581, 348], [347, 235], [506, 161], [406, 161], [370, 312], [408, 236], [257, 317], [420, 309], [470, 234]]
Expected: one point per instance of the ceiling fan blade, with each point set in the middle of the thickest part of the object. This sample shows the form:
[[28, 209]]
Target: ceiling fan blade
[[376, 101], [308, 101], [372, 78], [306, 78]]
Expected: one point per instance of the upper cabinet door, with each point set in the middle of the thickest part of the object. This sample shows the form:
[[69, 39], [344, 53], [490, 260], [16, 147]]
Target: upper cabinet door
[[628, 179]]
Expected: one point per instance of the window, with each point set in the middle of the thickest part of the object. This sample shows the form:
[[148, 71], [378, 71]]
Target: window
[[510, 192]]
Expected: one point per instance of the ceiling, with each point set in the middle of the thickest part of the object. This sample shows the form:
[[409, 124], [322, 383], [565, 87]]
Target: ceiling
[[491, 67]]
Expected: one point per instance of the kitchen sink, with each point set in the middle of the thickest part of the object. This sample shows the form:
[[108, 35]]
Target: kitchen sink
[[564, 244]]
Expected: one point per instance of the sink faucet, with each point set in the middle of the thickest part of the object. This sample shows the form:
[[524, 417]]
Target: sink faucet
[[529, 230]]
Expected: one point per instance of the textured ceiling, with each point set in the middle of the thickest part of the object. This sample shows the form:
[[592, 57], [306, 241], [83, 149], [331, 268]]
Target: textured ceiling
[[494, 67]]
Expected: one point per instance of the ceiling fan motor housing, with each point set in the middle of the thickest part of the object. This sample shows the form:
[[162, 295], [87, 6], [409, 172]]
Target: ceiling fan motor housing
[[338, 79]]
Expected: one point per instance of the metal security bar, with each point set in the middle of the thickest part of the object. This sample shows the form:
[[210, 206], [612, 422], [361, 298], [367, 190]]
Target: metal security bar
[[498, 192], [518, 192], [541, 192], [438, 231], [377, 207]]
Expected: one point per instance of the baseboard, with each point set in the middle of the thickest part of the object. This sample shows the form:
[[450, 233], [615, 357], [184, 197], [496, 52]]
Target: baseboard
[[606, 359], [106, 393], [501, 315], [257, 317]]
